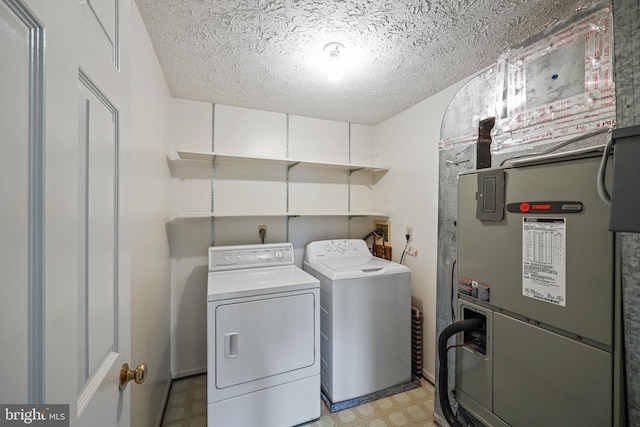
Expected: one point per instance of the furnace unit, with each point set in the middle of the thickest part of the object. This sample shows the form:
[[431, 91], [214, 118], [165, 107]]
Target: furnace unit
[[537, 265]]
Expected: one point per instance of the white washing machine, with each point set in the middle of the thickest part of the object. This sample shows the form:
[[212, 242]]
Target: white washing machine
[[263, 349], [365, 320]]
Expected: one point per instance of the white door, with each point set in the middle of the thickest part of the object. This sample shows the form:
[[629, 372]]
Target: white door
[[64, 299]]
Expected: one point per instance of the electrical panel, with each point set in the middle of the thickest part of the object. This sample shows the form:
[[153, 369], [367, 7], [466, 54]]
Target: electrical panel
[[490, 195]]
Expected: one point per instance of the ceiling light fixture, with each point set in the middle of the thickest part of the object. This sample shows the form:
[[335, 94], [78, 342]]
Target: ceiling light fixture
[[334, 62]]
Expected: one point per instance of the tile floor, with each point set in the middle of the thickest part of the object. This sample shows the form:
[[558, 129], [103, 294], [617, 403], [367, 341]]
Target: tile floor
[[187, 407], [187, 404]]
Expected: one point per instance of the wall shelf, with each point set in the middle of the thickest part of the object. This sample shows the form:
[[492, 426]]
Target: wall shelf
[[196, 215], [268, 161]]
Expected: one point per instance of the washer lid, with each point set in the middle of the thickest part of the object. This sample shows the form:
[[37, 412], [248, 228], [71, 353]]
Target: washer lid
[[352, 268], [258, 281], [347, 259], [366, 263]]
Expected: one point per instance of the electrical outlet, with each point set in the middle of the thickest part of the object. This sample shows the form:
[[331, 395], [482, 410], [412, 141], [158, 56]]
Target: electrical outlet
[[409, 232], [262, 227]]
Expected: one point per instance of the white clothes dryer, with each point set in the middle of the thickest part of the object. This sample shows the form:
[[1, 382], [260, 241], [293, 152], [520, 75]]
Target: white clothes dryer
[[365, 320], [263, 349]]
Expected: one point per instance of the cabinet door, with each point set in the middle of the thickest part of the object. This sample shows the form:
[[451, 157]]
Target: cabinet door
[[263, 338]]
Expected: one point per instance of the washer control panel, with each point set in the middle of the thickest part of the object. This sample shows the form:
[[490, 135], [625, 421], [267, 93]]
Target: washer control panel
[[330, 249], [249, 256]]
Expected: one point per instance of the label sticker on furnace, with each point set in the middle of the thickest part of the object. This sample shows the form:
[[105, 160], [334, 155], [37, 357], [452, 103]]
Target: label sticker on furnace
[[474, 289], [544, 259]]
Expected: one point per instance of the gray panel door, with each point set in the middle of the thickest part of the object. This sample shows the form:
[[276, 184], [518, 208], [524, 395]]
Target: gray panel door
[[545, 379]]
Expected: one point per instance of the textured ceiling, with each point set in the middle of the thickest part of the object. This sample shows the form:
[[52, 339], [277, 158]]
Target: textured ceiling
[[268, 54]]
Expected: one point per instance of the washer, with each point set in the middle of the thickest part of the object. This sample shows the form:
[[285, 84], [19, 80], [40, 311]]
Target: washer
[[263, 349], [365, 320]]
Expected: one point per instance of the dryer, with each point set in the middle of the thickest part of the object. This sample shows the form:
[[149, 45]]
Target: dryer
[[365, 319], [263, 345]]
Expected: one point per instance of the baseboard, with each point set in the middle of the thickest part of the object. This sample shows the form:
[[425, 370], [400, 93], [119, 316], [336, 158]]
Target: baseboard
[[165, 401], [429, 377], [188, 373]]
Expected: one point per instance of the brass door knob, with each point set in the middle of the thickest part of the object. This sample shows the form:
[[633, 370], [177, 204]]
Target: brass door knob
[[126, 375]]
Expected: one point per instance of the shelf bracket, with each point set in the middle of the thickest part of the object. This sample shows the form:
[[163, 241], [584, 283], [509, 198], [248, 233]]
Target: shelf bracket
[[293, 165]]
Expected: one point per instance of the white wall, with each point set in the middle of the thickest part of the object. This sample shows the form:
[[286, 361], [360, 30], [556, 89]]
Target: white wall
[[408, 145], [149, 190], [191, 129]]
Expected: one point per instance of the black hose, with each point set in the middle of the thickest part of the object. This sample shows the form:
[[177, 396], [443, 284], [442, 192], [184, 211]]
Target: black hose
[[377, 232], [443, 373]]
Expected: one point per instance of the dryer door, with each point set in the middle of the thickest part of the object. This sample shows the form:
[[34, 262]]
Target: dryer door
[[262, 338]]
